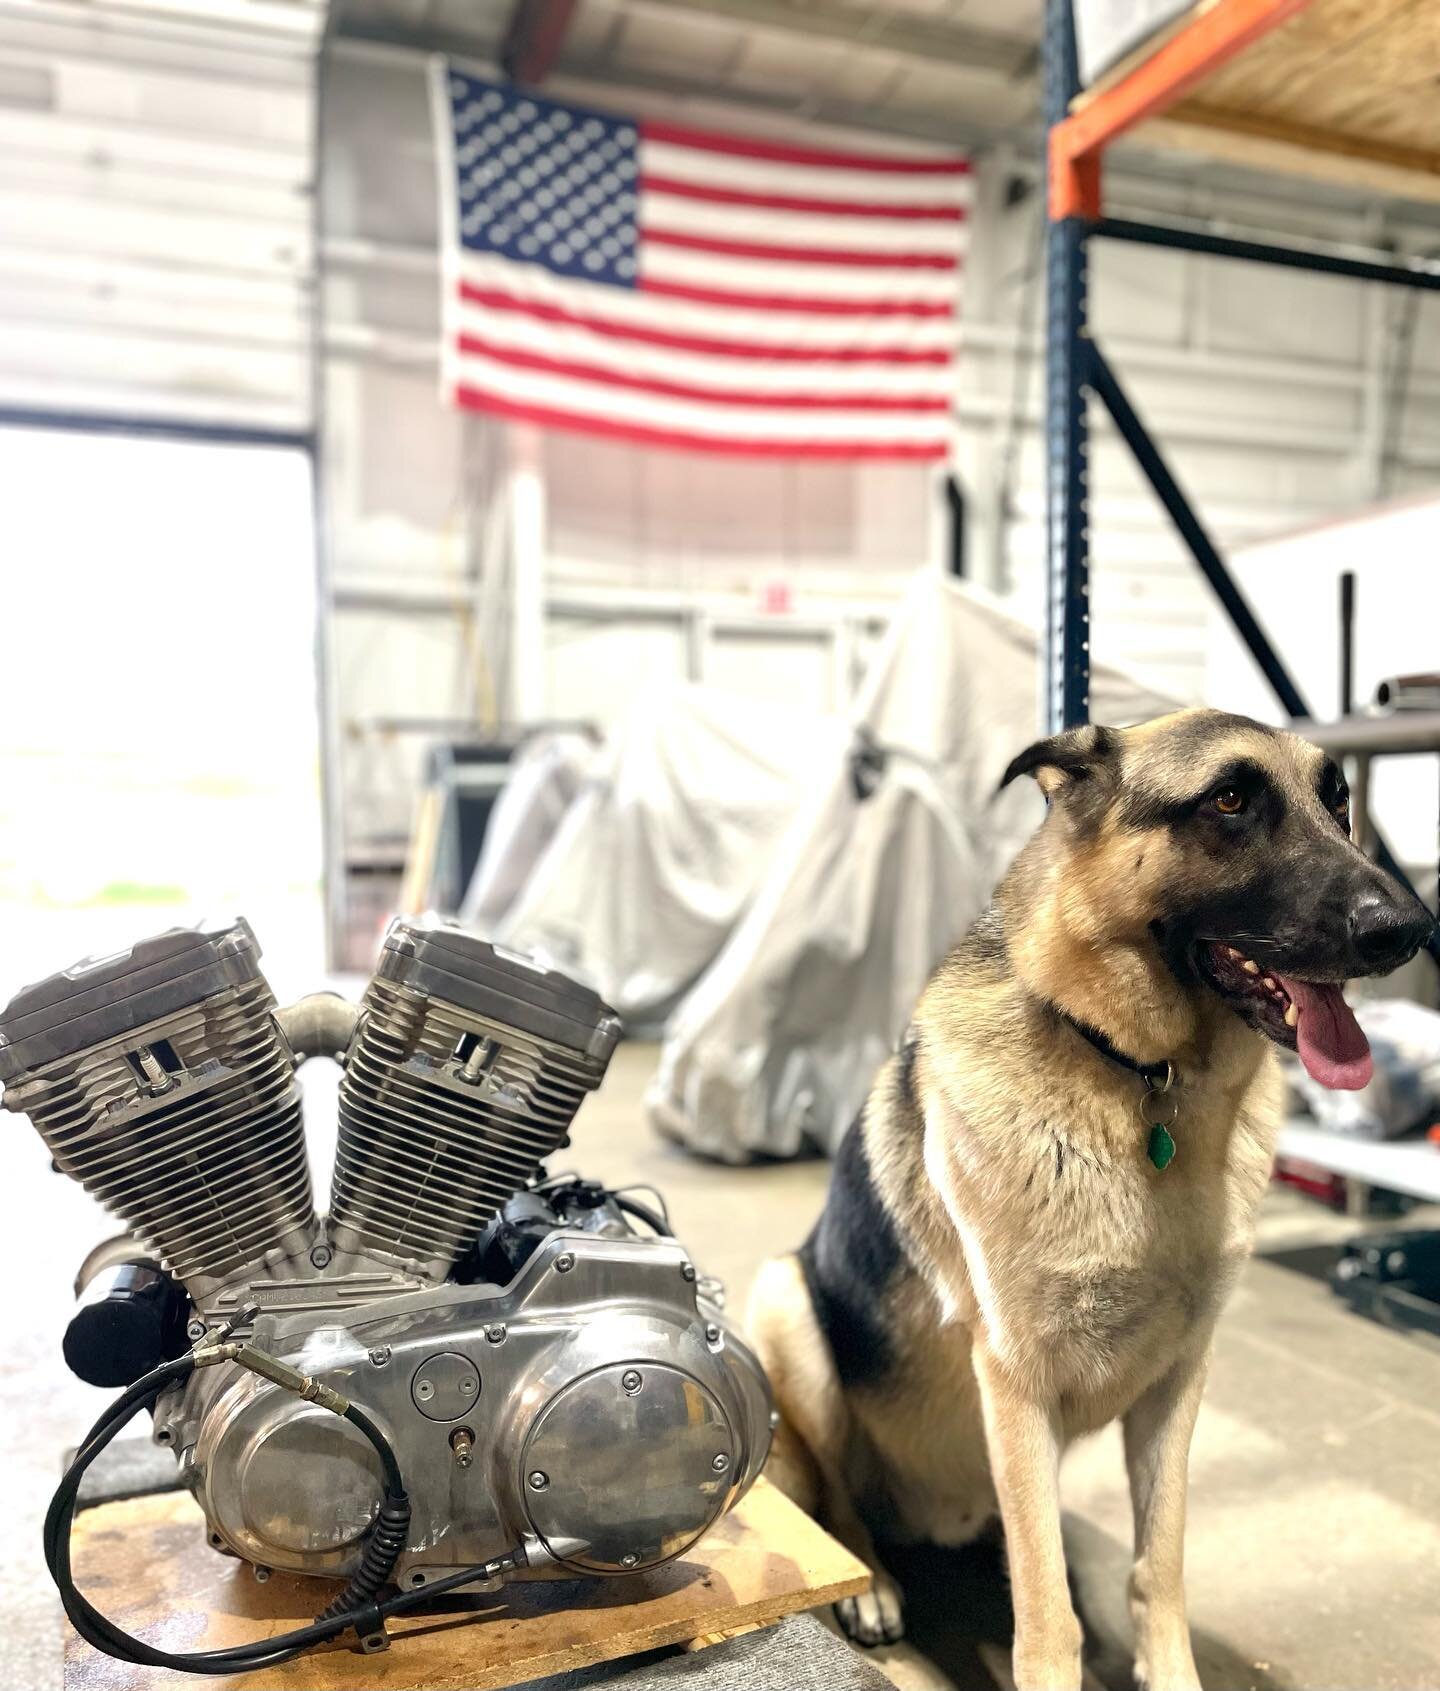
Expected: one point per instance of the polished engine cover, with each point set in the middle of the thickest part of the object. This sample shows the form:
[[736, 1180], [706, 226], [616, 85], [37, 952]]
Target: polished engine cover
[[598, 1410]]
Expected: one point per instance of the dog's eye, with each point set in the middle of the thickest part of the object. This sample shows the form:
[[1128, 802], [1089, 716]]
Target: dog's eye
[[1229, 801], [1342, 814]]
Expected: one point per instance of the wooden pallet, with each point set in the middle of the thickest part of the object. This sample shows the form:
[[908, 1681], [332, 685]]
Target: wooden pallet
[[145, 1562]]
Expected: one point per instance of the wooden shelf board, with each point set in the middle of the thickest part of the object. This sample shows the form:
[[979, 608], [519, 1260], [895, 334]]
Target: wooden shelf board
[[1342, 91]]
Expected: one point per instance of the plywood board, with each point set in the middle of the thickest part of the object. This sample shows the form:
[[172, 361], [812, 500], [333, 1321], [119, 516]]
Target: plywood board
[[146, 1564], [1345, 91], [1362, 69]]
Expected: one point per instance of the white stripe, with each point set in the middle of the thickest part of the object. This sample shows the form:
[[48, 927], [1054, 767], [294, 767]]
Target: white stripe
[[806, 182], [512, 329], [721, 422], [631, 308], [798, 228], [879, 285]]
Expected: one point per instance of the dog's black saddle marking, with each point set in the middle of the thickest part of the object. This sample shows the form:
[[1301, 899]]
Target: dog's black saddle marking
[[905, 1071], [849, 1260]]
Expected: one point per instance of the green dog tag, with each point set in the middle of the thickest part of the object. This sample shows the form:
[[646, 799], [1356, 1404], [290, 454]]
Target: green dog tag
[[1162, 1146]]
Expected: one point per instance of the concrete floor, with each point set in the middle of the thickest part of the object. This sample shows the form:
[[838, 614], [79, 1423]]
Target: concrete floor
[[1315, 1515]]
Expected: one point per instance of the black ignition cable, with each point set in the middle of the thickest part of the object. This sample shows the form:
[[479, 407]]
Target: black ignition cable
[[357, 1606]]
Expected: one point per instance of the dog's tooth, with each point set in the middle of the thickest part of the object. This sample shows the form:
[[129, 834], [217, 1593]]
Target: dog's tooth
[[1230, 951], [1292, 1015], [1251, 968], [1270, 984]]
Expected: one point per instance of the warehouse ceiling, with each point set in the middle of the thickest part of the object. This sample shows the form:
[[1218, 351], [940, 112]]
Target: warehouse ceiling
[[935, 70]]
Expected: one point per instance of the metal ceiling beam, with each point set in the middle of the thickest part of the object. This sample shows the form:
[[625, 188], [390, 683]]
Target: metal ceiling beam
[[936, 128], [909, 35], [533, 38], [590, 78]]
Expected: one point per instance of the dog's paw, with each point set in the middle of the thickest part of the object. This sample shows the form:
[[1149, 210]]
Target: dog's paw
[[874, 1617]]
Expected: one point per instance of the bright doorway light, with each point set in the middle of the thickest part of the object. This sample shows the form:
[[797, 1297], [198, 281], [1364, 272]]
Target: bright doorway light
[[158, 719]]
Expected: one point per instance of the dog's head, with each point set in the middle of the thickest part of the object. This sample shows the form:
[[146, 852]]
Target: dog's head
[[1216, 852]]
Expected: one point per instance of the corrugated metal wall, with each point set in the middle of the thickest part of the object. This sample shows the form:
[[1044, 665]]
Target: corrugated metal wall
[[155, 211]]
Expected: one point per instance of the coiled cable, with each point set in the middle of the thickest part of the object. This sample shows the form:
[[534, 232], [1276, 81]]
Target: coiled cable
[[355, 1607]]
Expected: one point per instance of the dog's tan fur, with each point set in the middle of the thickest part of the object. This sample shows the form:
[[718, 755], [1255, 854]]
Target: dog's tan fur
[[1053, 1279]]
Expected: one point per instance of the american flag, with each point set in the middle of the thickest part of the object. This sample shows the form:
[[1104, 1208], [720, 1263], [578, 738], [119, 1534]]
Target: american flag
[[685, 288]]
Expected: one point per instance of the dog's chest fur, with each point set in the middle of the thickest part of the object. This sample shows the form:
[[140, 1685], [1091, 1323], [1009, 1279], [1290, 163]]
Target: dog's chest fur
[[1033, 1215]]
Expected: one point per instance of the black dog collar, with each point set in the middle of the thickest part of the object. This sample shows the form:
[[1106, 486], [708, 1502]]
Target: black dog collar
[[1159, 1107]]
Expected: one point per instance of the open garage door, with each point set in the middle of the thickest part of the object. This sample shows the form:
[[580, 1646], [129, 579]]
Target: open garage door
[[155, 217]]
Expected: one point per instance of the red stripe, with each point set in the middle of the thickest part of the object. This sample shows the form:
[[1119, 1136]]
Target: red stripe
[[793, 202], [801, 255], [580, 371], [888, 163], [477, 399], [795, 302], [493, 300]]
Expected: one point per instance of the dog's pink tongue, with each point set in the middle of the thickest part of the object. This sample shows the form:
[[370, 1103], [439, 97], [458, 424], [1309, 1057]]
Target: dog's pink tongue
[[1333, 1046]]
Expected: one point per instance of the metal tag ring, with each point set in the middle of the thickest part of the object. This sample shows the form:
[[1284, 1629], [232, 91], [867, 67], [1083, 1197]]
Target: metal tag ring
[[1159, 1108]]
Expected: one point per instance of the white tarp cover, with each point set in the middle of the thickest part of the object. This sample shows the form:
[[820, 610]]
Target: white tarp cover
[[546, 775], [666, 834], [775, 1048]]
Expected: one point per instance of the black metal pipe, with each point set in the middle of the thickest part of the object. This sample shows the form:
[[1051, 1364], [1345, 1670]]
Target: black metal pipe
[[1405, 273], [955, 509], [1101, 379], [1347, 642]]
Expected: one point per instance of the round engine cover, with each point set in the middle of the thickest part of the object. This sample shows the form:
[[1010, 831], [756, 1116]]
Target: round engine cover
[[309, 1483], [626, 1466], [289, 1485]]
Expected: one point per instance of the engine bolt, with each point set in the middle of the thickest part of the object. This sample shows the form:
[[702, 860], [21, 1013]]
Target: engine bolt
[[261, 1574], [687, 1270], [564, 1262], [631, 1381], [467, 1386], [539, 1481], [712, 1333], [380, 1355], [720, 1463], [496, 1334], [425, 1389], [462, 1442], [629, 1559], [195, 1331], [320, 1256]]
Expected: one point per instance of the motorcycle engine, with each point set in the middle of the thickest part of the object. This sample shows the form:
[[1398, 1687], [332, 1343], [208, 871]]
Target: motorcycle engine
[[553, 1379]]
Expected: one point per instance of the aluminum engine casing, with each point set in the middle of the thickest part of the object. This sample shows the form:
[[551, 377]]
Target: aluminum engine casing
[[553, 1383], [614, 1416]]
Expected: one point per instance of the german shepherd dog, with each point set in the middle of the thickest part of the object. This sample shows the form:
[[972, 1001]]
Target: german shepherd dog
[[1008, 1257]]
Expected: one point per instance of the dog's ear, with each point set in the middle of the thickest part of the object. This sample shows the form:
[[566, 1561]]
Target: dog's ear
[[1076, 755]]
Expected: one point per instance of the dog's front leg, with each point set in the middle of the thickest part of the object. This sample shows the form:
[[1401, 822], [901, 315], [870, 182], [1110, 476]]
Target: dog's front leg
[[1024, 1445], [1158, 1428]]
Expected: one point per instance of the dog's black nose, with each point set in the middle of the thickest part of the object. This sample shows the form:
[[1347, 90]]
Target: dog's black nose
[[1385, 933]]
